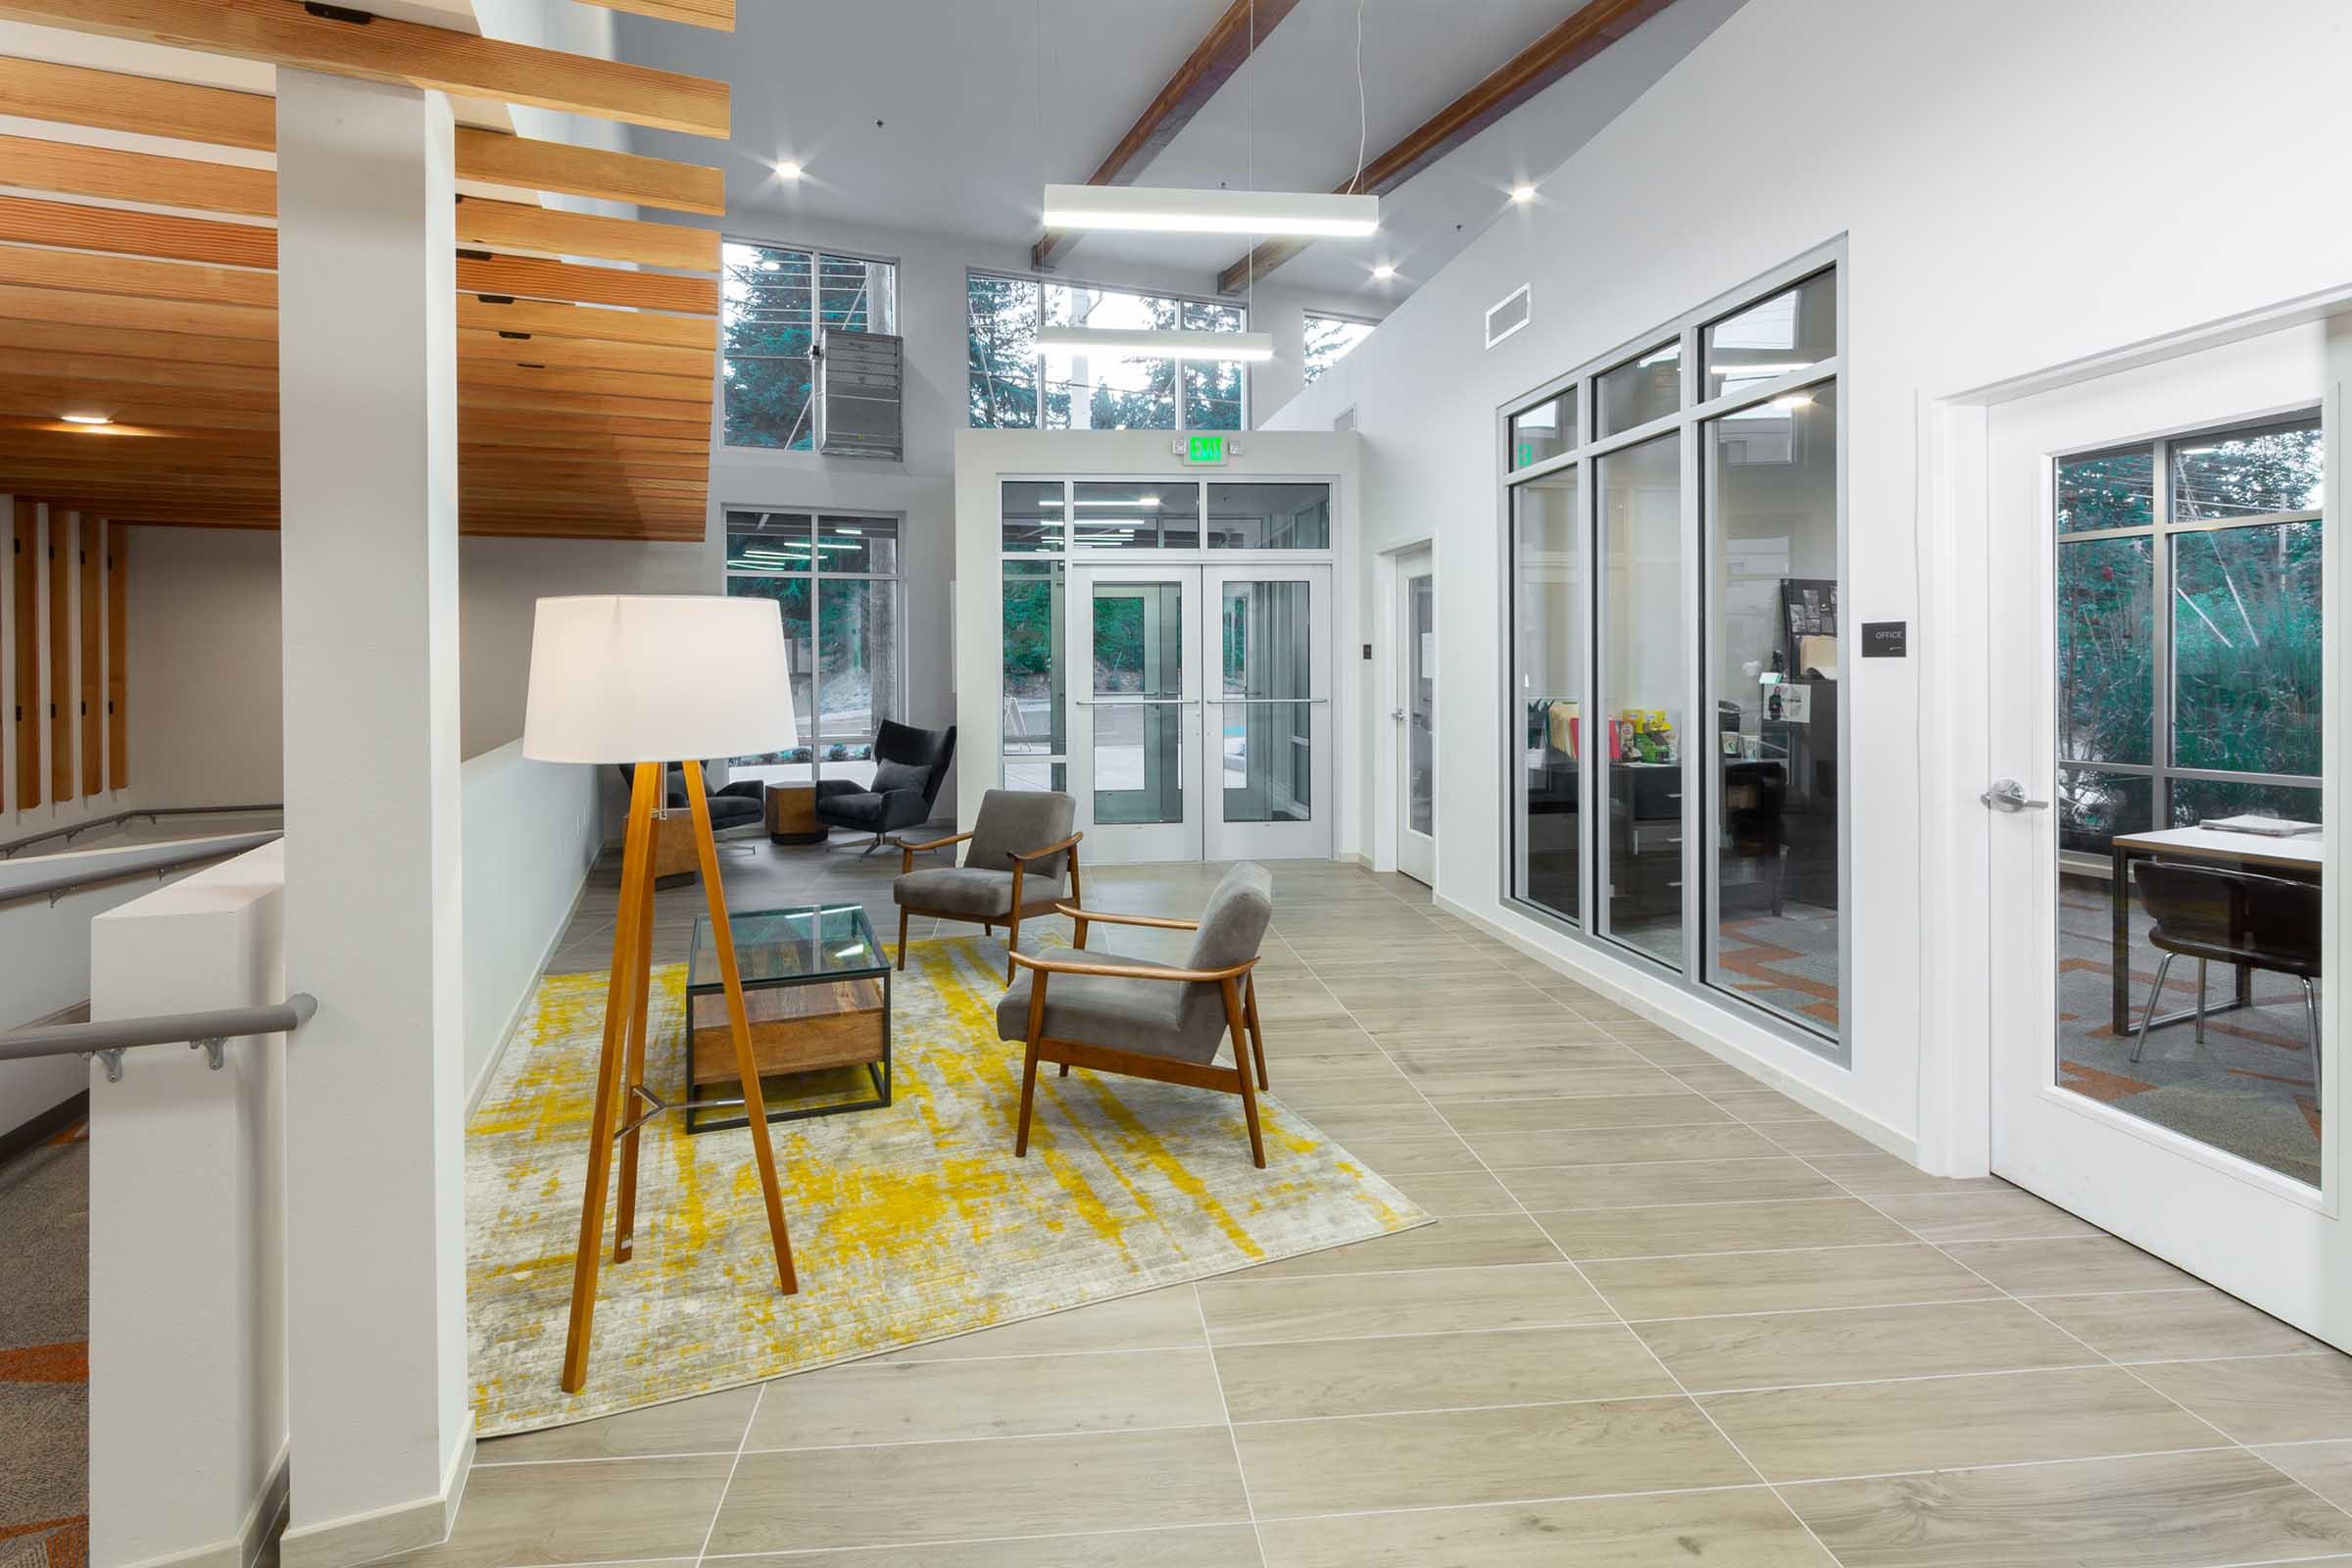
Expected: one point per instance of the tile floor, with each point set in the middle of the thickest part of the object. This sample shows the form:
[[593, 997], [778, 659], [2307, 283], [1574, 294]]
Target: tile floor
[[1668, 1316]]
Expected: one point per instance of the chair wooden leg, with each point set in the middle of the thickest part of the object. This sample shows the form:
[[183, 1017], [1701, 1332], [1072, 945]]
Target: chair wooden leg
[[636, 856], [1013, 944], [1240, 1029], [739, 1023], [1257, 1032], [641, 968], [902, 939], [1035, 1032]]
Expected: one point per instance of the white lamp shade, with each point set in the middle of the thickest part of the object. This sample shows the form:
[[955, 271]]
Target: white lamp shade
[[657, 678]]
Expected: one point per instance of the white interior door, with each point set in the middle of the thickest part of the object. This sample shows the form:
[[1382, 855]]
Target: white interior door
[[1134, 730], [2159, 588], [1268, 792], [1416, 715]]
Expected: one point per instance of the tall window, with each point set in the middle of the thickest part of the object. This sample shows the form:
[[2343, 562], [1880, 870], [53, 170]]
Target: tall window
[[835, 580], [1014, 384], [2215, 711], [1329, 339], [773, 300], [1675, 715]]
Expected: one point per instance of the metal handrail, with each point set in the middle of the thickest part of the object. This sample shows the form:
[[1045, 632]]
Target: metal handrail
[[223, 848], [152, 813], [109, 1037]]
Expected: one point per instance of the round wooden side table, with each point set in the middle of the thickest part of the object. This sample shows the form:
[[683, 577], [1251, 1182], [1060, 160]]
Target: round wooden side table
[[792, 815]]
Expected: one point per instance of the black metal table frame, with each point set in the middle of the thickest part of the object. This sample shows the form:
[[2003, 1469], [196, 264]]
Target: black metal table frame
[[2120, 896], [878, 1072]]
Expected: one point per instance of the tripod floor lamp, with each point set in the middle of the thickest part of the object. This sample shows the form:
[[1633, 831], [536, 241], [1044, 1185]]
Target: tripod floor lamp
[[652, 680]]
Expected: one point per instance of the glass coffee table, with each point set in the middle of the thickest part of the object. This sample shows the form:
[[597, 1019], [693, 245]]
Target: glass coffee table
[[816, 987]]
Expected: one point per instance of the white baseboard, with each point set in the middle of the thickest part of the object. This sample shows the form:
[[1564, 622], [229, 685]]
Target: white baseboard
[[1691, 1025], [383, 1532], [242, 1549]]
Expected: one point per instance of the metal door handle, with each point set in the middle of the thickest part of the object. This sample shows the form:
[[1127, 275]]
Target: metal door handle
[[2008, 794], [1398, 714]]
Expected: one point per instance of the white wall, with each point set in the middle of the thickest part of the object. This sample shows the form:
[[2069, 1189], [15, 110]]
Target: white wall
[[532, 830], [1977, 170], [205, 667], [984, 457]]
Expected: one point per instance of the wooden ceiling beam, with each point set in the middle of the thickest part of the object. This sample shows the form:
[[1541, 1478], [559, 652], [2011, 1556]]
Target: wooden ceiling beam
[[126, 232], [584, 353], [1591, 29], [587, 323], [104, 309], [410, 54], [143, 277], [111, 100], [718, 14], [45, 397], [695, 390], [1220, 53], [70, 168], [530, 277], [513, 225], [48, 335]]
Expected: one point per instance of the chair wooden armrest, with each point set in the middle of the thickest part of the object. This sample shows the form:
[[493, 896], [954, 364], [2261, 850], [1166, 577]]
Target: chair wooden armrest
[[1069, 843], [911, 851], [1130, 971], [1162, 923]]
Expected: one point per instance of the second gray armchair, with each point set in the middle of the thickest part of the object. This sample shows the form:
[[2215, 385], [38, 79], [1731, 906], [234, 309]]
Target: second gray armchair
[[1022, 846]]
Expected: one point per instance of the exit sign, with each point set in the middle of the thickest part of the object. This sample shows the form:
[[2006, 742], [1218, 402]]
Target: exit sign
[[1205, 449]]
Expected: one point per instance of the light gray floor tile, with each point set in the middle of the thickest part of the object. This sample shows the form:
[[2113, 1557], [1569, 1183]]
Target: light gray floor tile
[[2289, 1398], [900, 1493], [1619, 1145], [1782, 1281], [1154, 1320], [1679, 1228], [1243, 1311], [1202, 1546], [923, 1401], [2170, 1325], [1980, 1216], [1748, 1528], [600, 1510], [711, 1423], [1639, 1186], [1560, 1114], [2072, 1265], [1855, 1344], [1483, 1240], [1435, 1372]]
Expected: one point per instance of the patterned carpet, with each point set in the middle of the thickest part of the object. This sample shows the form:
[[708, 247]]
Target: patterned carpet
[[909, 1224], [2247, 1089], [44, 1355]]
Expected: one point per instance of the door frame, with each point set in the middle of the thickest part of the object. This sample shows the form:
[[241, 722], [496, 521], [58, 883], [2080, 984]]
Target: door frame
[[1186, 834], [1955, 1020], [1387, 766], [1399, 681]]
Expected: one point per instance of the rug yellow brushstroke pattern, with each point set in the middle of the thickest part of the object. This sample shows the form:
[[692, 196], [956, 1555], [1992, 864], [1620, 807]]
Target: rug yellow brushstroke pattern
[[909, 1224]]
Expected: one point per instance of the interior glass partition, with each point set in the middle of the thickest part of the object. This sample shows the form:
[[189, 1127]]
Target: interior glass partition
[[1676, 566]]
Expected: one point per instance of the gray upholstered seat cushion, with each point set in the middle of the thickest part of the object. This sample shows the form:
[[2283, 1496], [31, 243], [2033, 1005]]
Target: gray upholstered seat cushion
[[1157, 1017], [1016, 822], [961, 890]]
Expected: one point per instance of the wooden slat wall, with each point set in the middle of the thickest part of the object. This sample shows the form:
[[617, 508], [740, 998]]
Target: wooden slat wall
[[25, 568], [118, 656], [61, 659], [88, 554]]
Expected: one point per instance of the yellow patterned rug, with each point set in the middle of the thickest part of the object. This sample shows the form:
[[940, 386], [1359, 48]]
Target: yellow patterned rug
[[909, 1224]]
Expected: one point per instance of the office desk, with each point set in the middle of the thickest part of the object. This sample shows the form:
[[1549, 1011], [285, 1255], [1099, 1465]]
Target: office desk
[[2300, 859]]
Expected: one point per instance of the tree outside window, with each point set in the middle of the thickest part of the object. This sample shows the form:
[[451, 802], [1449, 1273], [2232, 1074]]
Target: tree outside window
[[772, 301]]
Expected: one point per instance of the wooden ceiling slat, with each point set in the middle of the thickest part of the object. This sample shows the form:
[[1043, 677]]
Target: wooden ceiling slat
[[675, 415], [209, 323], [76, 95], [513, 225], [73, 170], [477, 344], [695, 390], [498, 159], [718, 14], [128, 232], [194, 374], [47, 334], [593, 324], [45, 398], [138, 276], [533, 278], [388, 49], [583, 424]]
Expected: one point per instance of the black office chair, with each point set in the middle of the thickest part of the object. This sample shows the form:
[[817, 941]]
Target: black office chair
[[2214, 916], [731, 805], [909, 765]]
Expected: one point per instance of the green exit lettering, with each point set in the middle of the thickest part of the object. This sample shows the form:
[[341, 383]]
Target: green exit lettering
[[1208, 449]]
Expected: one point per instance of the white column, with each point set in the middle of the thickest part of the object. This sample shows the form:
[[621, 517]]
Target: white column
[[380, 1428]]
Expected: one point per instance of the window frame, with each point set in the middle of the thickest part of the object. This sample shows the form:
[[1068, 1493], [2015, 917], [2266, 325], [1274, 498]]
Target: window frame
[[817, 256], [1690, 423], [1044, 280], [2161, 529], [816, 577]]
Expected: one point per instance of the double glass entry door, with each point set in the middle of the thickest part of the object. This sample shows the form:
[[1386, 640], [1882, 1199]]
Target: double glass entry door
[[1203, 730]]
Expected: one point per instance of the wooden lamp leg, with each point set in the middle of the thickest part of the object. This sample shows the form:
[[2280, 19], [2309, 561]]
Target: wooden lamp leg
[[739, 1023], [624, 1221], [628, 952]]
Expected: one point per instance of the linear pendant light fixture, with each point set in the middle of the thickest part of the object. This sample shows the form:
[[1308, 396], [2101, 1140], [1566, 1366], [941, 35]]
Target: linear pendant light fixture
[[1158, 345], [1170, 211]]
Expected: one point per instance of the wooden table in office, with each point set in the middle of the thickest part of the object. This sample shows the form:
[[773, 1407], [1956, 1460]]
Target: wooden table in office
[[790, 811], [2298, 859]]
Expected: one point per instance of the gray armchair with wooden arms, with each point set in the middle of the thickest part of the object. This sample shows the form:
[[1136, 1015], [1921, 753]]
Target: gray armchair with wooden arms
[[1022, 846], [1159, 1021]]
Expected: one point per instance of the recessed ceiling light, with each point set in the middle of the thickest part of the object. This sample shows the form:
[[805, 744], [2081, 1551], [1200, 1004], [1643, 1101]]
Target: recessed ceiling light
[[87, 418], [1383, 272], [788, 169], [1523, 194]]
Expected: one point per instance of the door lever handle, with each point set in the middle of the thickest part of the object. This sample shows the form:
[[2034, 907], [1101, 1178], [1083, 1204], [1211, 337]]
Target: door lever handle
[[2008, 794]]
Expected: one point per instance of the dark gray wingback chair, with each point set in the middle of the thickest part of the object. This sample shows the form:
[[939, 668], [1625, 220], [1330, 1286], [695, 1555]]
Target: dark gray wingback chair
[[909, 766], [1152, 1020], [1022, 846]]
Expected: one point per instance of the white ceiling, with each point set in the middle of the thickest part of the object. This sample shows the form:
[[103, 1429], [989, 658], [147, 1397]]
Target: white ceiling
[[982, 102]]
